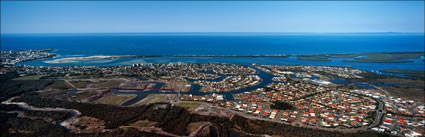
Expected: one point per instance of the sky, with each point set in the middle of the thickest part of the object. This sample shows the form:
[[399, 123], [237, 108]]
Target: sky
[[211, 16]]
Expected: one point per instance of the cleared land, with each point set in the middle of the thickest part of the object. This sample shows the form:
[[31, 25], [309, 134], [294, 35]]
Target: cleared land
[[115, 99], [80, 84], [193, 127], [33, 77], [83, 95], [189, 106], [98, 84], [89, 125], [59, 85], [108, 84], [154, 98]]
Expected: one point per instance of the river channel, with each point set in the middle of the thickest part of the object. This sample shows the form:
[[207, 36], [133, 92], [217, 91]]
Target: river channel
[[266, 79]]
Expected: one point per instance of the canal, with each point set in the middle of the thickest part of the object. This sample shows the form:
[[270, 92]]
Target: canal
[[266, 79]]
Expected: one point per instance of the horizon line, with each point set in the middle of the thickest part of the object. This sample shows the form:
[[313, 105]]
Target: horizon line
[[35, 33]]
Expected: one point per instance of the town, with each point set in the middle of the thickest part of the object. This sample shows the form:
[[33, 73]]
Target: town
[[295, 95], [13, 57]]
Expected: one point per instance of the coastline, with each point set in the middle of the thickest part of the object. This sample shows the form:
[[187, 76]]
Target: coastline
[[77, 59], [377, 57]]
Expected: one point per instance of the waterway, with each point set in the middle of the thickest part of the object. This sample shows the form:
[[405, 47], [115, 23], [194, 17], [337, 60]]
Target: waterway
[[266, 79]]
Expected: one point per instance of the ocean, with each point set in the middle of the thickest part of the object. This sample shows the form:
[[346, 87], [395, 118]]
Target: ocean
[[80, 45]]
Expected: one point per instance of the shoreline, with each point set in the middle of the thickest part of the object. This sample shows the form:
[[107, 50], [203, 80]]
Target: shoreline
[[77, 59], [377, 57]]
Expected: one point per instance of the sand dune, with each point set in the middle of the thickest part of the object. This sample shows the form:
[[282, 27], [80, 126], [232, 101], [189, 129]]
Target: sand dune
[[77, 59]]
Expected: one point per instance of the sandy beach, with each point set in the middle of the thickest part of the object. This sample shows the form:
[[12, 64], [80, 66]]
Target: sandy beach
[[77, 59]]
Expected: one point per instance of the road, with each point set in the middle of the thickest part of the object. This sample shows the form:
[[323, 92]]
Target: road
[[380, 112], [346, 130], [66, 123]]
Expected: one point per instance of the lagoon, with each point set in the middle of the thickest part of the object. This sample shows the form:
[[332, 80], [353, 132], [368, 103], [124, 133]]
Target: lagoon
[[123, 44]]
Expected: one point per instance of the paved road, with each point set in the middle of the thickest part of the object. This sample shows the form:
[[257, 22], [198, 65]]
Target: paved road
[[380, 112], [347, 130], [70, 84]]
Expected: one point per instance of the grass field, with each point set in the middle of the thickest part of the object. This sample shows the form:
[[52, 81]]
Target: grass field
[[80, 84], [108, 84], [115, 99], [100, 84], [153, 98], [33, 77], [189, 106], [59, 85], [84, 95]]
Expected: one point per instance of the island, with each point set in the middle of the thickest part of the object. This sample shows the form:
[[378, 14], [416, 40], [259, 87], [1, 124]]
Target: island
[[209, 98], [379, 57]]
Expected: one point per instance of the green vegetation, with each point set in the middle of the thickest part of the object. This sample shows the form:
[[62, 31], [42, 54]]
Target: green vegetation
[[394, 57], [83, 95], [86, 76], [54, 115], [390, 57], [144, 123], [281, 105], [406, 91], [325, 57], [313, 58], [176, 120], [10, 88], [405, 81], [9, 75], [115, 99], [33, 77], [413, 73], [13, 126], [4, 107], [189, 106], [100, 84], [152, 98], [193, 126], [80, 84], [60, 84], [400, 87], [24, 127], [108, 84]]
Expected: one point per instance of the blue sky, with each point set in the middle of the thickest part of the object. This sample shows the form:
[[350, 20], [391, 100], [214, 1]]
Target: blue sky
[[211, 16]]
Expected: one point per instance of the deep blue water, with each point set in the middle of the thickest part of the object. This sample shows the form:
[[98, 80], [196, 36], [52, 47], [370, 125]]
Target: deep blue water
[[214, 44], [71, 45]]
